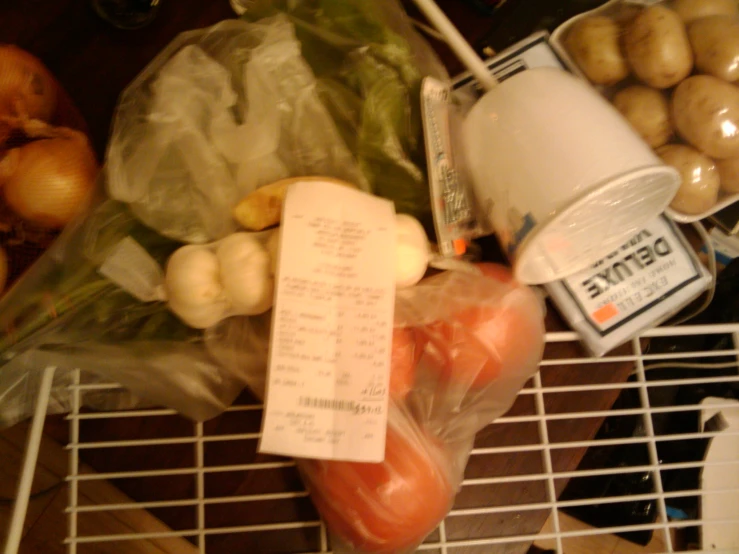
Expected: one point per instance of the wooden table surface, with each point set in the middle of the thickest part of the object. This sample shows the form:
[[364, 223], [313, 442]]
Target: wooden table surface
[[94, 62]]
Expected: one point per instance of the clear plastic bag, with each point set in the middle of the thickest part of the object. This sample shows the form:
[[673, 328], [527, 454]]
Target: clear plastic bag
[[241, 346], [476, 340], [151, 373], [20, 388], [216, 114], [464, 344], [369, 62], [469, 343], [64, 313], [388, 507]]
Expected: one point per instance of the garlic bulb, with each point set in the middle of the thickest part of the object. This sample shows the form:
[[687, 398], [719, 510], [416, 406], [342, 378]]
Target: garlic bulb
[[246, 274], [207, 283], [411, 251], [194, 288]]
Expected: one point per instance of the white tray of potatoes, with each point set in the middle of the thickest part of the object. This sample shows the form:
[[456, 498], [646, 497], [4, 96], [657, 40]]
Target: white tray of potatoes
[[672, 69]]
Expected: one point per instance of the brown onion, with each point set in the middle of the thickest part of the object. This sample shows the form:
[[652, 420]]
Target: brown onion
[[27, 88], [3, 269], [49, 181]]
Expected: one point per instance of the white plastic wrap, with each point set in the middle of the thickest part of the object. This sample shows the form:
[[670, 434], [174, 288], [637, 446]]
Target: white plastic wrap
[[216, 114]]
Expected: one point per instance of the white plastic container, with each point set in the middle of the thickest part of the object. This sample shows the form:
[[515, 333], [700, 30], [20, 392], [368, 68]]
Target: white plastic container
[[561, 176]]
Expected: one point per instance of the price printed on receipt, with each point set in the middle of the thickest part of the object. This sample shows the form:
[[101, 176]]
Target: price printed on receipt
[[329, 363]]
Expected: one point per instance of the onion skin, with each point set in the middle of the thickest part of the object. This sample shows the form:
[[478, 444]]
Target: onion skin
[[3, 269], [48, 182], [27, 88]]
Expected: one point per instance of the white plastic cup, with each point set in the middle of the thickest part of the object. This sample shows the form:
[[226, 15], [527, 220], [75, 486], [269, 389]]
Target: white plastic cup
[[560, 175]]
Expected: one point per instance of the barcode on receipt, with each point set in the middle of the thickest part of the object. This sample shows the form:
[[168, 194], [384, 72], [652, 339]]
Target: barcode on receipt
[[328, 404]]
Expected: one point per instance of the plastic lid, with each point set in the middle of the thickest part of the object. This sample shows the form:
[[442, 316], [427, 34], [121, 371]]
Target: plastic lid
[[595, 224]]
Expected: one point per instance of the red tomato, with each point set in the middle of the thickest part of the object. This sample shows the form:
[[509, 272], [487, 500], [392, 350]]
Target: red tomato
[[460, 355], [480, 342], [517, 331], [386, 507], [404, 358], [498, 272]]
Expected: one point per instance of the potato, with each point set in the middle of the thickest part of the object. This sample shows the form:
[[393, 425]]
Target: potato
[[700, 180], [715, 42], [690, 10], [626, 13], [728, 171], [593, 43], [657, 47], [648, 112], [262, 208], [705, 111]]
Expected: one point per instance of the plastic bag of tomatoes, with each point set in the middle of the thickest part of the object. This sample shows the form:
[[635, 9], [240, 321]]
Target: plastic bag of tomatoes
[[464, 345]]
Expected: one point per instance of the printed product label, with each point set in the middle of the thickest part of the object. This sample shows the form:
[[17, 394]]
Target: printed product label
[[450, 202], [651, 266]]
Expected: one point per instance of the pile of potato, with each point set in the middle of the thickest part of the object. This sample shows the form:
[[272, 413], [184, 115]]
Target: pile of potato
[[672, 70]]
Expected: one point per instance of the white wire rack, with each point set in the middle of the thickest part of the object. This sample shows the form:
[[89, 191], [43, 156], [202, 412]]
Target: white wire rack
[[613, 422]]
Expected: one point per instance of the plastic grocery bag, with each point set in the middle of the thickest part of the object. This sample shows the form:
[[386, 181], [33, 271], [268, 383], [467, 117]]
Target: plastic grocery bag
[[241, 346], [464, 344], [369, 62], [216, 114], [64, 313]]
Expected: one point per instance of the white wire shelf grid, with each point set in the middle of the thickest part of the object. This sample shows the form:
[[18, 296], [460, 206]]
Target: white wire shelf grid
[[211, 471]]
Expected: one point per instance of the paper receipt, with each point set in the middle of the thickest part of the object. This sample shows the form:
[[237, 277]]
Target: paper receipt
[[329, 368]]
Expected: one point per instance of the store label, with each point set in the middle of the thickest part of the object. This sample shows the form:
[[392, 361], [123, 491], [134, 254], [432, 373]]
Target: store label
[[450, 200], [648, 279], [133, 269], [644, 271]]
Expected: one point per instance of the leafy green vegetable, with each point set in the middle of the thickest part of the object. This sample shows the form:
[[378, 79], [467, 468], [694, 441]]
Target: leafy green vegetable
[[69, 300], [369, 80]]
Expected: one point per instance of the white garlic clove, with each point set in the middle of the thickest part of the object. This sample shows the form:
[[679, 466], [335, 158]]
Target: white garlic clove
[[193, 276], [246, 274], [193, 286], [411, 251]]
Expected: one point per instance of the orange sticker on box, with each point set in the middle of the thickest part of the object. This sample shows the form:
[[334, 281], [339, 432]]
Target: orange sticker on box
[[460, 246], [605, 313]]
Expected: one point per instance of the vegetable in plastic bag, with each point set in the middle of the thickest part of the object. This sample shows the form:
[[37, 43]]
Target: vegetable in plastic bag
[[390, 506], [478, 338], [369, 62], [216, 114], [64, 313], [464, 344]]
